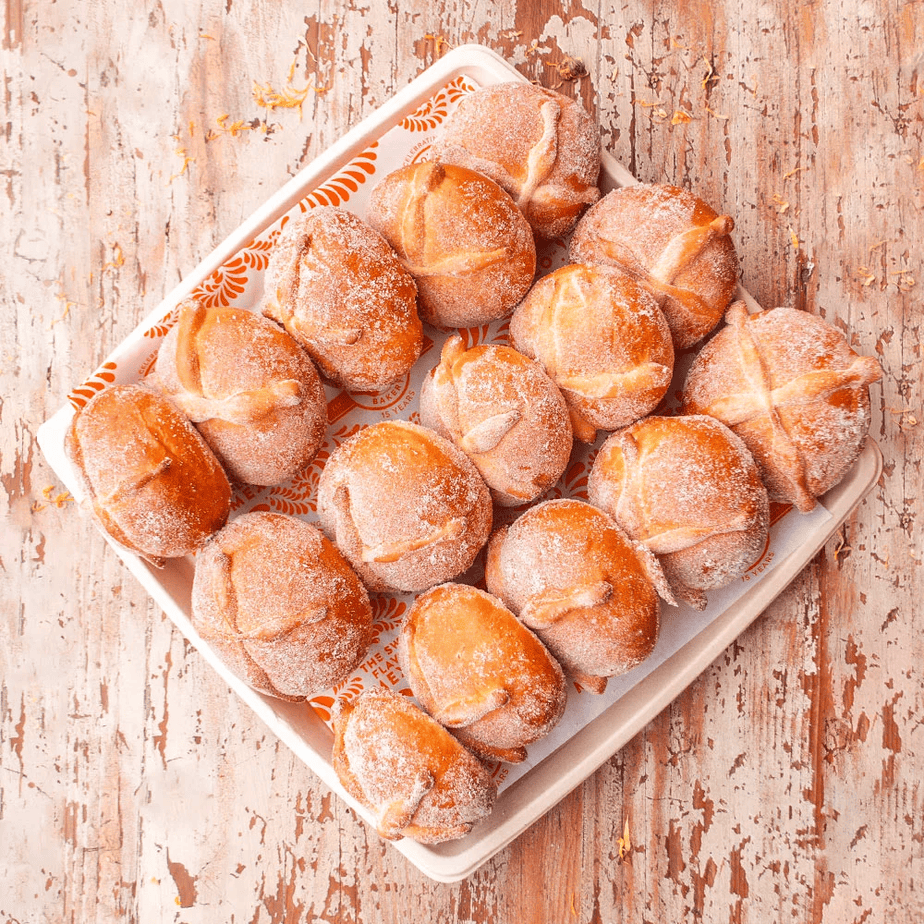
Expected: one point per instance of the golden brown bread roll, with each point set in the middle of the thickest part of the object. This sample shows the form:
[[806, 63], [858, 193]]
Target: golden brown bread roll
[[479, 672], [688, 490], [504, 413], [150, 479], [671, 242], [406, 507], [603, 341], [461, 237], [540, 146], [339, 289], [249, 388], [280, 605], [798, 396], [416, 779], [587, 591]]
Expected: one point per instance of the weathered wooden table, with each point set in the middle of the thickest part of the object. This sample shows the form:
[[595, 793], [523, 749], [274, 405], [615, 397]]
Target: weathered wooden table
[[787, 783]]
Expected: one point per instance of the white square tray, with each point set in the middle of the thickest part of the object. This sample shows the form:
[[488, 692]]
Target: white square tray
[[543, 785]]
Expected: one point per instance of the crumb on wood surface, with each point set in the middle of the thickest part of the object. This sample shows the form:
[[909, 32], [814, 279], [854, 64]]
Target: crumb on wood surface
[[624, 843]]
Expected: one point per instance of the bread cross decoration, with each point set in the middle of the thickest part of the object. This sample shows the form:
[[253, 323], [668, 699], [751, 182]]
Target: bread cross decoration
[[348, 536], [227, 596], [243, 407], [565, 315], [568, 310], [539, 162], [552, 605], [312, 260], [393, 816], [659, 538], [132, 486], [447, 376], [422, 252], [465, 711], [679, 253], [542, 156], [762, 399], [269, 627]]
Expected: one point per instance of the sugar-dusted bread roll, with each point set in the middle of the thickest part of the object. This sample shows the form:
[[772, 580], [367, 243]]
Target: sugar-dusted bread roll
[[480, 672], [540, 146], [571, 575], [406, 507], [798, 396], [339, 289], [150, 479], [602, 339], [688, 490], [415, 778], [249, 388], [671, 242], [504, 412], [280, 605], [461, 237]]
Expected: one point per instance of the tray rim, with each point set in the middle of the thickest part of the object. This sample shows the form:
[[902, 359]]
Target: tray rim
[[528, 799]]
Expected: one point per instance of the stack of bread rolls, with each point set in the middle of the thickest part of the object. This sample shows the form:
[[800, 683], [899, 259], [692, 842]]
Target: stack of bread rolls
[[775, 406]]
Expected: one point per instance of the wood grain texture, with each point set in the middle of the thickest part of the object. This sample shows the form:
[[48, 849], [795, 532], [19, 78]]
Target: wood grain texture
[[784, 784]]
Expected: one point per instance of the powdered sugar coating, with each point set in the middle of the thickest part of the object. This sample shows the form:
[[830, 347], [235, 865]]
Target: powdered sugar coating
[[689, 490], [794, 391], [602, 339], [151, 481], [280, 605], [249, 388], [468, 247], [480, 672], [540, 146], [568, 572], [339, 289], [406, 507], [674, 244], [408, 770], [505, 413]]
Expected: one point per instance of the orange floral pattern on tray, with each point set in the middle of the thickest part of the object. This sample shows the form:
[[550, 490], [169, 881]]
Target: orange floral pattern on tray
[[487, 333], [162, 327], [574, 481], [349, 688], [223, 287], [434, 110], [472, 336], [342, 434], [339, 188], [257, 254], [298, 496], [289, 499], [323, 704], [102, 378], [230, 280], [387, 615]]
